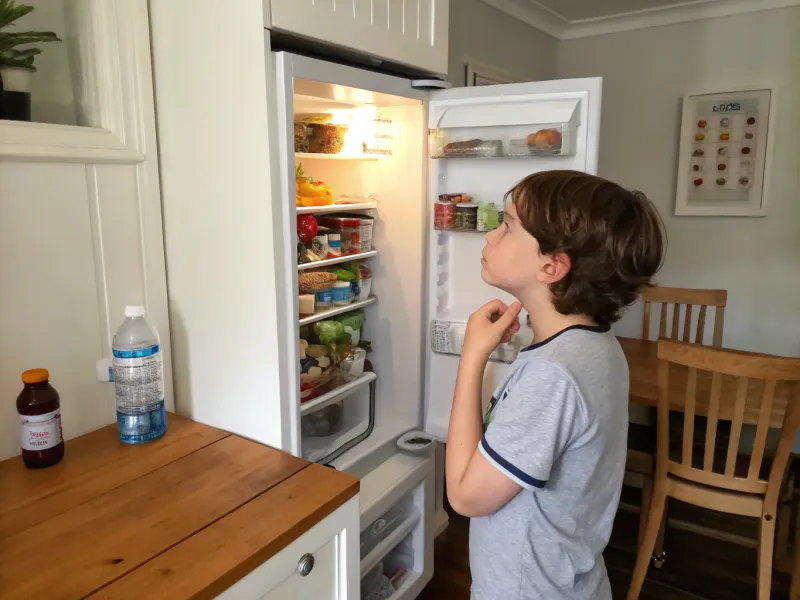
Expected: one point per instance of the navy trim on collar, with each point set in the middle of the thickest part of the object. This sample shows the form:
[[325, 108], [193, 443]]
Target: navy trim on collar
[[603, 328]]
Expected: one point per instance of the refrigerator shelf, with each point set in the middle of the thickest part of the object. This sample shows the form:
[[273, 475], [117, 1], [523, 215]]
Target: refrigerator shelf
[[337, 310], [335, 261], [336, 394], [314, 210], [322, 156]]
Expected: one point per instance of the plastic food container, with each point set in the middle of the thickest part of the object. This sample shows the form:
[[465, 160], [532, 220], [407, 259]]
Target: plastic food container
[[466, 216], [349, 229], [365, 288], [444, 215], [323, 298], [472, 148], [326, 138], [341, 294], [301, 135]]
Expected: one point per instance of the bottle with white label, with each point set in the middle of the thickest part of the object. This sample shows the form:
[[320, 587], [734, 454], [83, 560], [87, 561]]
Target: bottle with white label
[[138, 379], [39, 409]]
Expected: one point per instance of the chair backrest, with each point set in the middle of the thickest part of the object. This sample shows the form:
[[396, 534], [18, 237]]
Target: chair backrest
[[731, 387], [679, 297]]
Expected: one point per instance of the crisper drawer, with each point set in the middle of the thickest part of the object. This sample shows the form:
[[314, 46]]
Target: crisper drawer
[[392, 526], [334, 423], [394, 575]]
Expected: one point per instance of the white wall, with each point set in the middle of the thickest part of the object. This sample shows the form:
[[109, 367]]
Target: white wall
[[78, 241], [485, 34], [646, 73]]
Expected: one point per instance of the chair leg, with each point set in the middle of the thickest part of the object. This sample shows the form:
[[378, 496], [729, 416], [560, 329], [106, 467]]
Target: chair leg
[[659, 556], [645, 552], [647, 495], [794, 590], [766, 542]]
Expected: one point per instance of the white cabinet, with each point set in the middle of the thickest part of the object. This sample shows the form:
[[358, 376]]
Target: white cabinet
[[400, 31], [322, 564]]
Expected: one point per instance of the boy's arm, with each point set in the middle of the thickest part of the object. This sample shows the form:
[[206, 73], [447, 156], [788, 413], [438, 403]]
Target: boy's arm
[[474, 486]]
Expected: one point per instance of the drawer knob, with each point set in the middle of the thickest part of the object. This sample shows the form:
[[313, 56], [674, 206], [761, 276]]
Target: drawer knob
[[305, 565]]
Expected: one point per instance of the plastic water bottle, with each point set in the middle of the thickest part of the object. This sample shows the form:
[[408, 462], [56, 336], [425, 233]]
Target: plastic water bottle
[[138, 379]]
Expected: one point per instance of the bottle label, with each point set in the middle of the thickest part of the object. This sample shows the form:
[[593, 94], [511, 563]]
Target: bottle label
[[138, 380], [40, 432]]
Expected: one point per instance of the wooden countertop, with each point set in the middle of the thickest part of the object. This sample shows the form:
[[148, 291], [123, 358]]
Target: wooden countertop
[[185, 516]]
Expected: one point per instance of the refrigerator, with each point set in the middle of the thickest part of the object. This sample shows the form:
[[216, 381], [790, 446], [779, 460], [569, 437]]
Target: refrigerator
[[404, 149]]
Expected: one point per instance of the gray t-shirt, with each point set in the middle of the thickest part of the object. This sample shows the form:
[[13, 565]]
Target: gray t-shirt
[[557, 425]]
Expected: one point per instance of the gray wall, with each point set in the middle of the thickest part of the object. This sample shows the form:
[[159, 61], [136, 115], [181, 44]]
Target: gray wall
[[646, 73], [52, 91], [485, 34]]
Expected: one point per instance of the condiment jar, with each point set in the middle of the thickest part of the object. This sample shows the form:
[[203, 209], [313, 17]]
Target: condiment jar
[[39, 409]]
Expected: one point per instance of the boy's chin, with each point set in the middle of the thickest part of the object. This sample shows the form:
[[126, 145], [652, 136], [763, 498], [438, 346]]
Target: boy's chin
[[489, 280]]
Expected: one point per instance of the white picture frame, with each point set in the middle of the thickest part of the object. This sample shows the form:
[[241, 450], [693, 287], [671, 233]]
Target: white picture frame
[[114, 95], [725, 151], [478, 73]]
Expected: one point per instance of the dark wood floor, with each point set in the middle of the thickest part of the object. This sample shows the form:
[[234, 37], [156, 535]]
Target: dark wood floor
[[697, 568]]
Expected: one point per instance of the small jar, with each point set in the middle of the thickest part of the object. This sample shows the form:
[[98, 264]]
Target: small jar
[[39, 408], [467, 216], [323, 299], [444, 215], [342, 293], [334, 245]]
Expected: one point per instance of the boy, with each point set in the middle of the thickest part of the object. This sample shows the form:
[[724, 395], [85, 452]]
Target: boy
[[541, 474]]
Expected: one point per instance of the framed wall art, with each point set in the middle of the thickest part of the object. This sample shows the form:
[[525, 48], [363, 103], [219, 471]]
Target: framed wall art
[[725, 150]]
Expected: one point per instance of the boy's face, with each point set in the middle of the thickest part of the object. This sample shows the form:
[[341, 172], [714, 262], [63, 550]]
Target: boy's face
[[511, 260]]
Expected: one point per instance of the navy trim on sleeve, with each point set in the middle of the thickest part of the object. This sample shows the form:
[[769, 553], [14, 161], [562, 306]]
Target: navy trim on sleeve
[[516, 474]]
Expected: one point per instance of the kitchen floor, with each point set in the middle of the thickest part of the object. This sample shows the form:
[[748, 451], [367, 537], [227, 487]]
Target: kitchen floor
[[697, 568]]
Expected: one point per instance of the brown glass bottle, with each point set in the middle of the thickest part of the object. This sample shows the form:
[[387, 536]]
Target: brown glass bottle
[[39, 409]]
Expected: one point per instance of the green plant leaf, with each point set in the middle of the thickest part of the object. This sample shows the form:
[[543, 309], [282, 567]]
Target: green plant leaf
[[10, 12]]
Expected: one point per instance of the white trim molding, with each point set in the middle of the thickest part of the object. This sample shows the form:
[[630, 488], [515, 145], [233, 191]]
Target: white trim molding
[[109, 91], [543, 19], [479, 73]]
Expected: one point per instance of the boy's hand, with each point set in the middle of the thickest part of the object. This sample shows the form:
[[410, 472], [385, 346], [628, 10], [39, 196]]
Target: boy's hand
[[492, 324]]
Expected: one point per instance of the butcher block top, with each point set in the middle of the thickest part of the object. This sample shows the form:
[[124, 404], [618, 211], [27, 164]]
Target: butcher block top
[[185, 516]]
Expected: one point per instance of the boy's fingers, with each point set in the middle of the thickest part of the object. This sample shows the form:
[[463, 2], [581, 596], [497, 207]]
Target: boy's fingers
[[510, 316], [494, 309]]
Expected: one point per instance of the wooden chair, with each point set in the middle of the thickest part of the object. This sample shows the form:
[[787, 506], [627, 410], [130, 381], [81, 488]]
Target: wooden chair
[[641, 449], [682, 301], [731, 485]]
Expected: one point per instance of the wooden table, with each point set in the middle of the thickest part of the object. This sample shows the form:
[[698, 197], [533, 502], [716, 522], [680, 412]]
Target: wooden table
[[185, 516], [643, 366]]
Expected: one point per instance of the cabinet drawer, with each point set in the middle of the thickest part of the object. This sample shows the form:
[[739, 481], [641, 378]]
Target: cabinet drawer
[[322, 564], [408, 33]]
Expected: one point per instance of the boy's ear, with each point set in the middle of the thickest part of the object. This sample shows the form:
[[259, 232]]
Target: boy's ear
[[554, 268]]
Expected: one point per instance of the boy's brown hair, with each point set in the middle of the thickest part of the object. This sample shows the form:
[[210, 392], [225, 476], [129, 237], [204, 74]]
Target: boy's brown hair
[[613, 237]]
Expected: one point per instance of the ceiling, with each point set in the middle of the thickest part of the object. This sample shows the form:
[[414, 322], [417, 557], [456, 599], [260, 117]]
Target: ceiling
[[568, 19], [579, 10]]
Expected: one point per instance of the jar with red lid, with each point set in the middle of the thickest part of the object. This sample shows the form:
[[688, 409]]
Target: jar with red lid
[[39, 409]]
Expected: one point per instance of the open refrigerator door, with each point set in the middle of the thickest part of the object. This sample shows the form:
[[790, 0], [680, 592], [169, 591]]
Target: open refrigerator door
[[482, 141]]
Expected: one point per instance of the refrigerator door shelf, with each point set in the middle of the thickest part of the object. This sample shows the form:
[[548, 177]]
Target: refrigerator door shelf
[[448, 338]]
